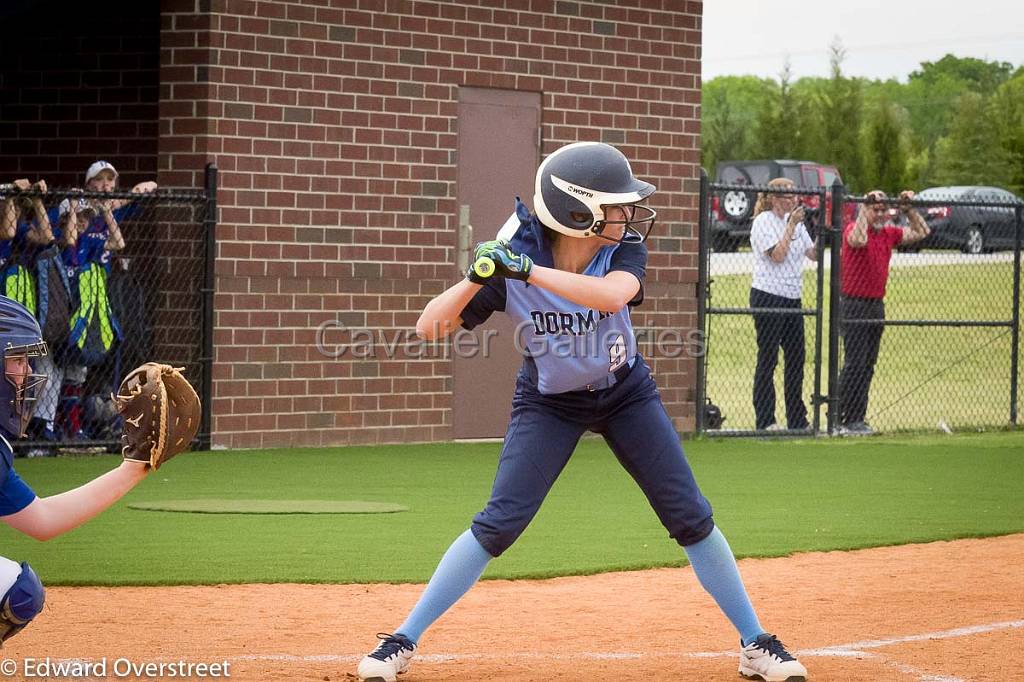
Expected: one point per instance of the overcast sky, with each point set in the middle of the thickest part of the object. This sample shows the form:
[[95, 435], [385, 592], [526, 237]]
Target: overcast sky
[[754, 36]]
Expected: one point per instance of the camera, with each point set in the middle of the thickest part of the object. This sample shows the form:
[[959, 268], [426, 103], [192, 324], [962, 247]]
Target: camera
[[810, 221], [811, 216]]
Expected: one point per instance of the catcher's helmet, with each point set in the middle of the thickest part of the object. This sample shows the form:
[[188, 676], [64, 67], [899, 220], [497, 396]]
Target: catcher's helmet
[[20, 339], [576, 183]]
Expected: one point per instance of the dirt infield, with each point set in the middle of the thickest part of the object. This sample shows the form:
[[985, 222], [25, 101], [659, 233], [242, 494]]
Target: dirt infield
[[938, 612]]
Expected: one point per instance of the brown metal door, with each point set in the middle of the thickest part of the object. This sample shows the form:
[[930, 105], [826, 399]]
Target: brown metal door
[[498, 155]]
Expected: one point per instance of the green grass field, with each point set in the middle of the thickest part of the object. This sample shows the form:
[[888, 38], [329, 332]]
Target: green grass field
[[771, 498], [960, 376]]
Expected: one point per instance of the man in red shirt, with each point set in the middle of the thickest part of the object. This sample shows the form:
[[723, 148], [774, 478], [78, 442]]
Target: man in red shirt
[[867, 246]]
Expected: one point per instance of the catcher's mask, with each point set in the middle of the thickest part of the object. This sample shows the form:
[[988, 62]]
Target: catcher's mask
[[575, 186], [22, 344]]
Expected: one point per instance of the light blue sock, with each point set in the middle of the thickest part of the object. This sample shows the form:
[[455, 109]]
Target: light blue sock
[[459, 569], [715, 566]]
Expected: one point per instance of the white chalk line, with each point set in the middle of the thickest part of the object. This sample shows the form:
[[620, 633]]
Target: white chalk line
[[853, 649], [857, 649]]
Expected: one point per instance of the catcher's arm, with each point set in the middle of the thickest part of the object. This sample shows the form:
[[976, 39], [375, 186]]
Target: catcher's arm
[[161, 412], [47, 517]]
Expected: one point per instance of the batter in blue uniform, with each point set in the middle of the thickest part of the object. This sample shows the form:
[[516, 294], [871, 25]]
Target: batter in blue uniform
[[568, 276], [39, 517]]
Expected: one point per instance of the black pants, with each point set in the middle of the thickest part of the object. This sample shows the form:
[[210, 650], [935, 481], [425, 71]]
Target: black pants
[[774, 330], [861, 342]]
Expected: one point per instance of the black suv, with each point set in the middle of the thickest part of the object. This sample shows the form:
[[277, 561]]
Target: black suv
[[732, 211]]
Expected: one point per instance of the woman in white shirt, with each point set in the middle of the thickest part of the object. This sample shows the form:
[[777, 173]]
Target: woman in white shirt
[[780, 242]]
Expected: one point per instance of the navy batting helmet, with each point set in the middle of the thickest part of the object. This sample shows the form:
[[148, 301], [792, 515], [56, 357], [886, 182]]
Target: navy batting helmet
[[21, 340], [575, 184]]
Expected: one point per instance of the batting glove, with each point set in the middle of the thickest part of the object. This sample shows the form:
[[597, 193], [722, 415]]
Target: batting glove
[[480, 271], [507, 263], [483, 248]]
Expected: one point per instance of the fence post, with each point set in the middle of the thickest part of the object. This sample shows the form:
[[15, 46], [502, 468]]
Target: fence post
[[209, 283], [835, 310], [702, 284], [1015, 329], [819, 304]]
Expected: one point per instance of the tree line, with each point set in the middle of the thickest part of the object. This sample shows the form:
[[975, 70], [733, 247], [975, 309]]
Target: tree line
[[956, 121]]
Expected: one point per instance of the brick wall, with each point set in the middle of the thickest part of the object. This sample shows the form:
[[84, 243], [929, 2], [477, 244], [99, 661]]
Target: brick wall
[[78, 83], [334, 129]]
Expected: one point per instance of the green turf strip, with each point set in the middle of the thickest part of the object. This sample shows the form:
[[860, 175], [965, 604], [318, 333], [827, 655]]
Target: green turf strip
[[771, 498], [213, 506]]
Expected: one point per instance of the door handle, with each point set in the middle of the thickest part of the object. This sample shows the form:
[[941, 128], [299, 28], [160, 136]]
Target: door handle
[[465, 240]]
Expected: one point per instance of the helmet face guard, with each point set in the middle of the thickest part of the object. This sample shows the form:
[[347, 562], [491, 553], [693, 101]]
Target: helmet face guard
[[577, 184], [636, 227], [21, 389]]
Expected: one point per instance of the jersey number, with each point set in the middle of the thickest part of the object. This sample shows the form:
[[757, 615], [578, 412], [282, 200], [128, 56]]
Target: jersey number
[[617, 353]]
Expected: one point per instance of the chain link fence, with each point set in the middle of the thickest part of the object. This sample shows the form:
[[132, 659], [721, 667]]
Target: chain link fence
[[115, 279], [803, 338]]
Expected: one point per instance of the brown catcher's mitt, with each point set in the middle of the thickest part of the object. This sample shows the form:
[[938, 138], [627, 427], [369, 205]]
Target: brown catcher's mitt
[[161, 413]]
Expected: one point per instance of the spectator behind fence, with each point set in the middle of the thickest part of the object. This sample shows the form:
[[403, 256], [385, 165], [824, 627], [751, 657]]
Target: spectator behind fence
[[22, 237], [780, 243], [54, 312], [867, 247], [94, 328], [26, 232]]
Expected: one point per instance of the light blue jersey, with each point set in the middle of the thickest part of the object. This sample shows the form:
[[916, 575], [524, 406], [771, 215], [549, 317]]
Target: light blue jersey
[[570, 347]]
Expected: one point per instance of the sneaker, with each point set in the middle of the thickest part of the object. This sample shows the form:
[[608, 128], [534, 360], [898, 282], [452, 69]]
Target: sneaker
[[857, 429], [767, 659], [46, 444], [774, 427], [390, 658]]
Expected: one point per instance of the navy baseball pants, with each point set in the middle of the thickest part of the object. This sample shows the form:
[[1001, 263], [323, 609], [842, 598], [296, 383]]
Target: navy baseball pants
[[543, 434], [773, 331], [861, 344]]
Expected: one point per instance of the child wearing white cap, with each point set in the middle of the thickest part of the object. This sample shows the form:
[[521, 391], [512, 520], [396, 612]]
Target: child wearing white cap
[[101, 176]]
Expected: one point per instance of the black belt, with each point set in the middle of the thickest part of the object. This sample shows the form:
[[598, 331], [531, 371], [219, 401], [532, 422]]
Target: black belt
[[620, 375]]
